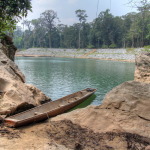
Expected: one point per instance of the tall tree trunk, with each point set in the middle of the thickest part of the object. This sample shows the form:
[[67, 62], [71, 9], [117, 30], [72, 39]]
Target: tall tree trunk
[[79, 37], [50, 42], [33, 41], [132, 40], [142, 42], [124, 43]]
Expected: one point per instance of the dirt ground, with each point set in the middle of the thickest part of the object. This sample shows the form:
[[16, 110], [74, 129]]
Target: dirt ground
[[32, 137], [64, 135]]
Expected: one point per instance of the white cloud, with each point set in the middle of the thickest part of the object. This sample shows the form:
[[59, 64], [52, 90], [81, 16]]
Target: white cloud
[[72, 1], [43, 2], [66, 8], [69, 21]]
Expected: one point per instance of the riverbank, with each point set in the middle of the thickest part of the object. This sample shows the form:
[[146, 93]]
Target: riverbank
[[121, 122], [103, 54]]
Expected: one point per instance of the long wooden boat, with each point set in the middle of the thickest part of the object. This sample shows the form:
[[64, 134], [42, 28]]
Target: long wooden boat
[[49, 109]]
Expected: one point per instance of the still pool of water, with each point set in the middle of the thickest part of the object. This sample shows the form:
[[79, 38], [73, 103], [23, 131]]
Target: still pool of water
[[58, 77]]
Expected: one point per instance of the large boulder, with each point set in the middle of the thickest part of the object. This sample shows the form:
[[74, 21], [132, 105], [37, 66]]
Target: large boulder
[[142, 72], [15, 95], [9, 70], [6, 44], [131, 96], [125, 109]]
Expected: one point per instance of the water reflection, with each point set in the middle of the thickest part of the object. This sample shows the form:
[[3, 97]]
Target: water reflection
[[58, 77], [85, 103]]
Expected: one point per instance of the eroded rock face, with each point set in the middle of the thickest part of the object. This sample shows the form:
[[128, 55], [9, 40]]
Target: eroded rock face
[[125, 109], [131, 96], [9, 70], [6, 45], [142, 72], [39, 97], [15, 95]]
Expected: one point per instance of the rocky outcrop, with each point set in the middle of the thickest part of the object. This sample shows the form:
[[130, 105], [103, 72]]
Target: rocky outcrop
[[15, 95], [142, 72], [121, 121], [125, 109], [9, 70], [131, 96], [6, 45], [124, 114]]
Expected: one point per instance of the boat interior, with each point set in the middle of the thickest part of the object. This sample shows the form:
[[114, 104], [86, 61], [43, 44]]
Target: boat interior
[[44, 108]]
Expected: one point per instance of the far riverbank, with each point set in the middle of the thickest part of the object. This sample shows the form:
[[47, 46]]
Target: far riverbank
[[104, 54]]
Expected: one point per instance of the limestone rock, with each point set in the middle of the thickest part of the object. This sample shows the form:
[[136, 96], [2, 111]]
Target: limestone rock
[[125, 109], [142, 72], [15, 95], [131, 96], [6, 44], [9, 70], [39, 97]]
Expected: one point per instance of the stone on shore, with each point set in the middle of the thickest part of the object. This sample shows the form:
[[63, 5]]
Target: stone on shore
[[122, 122], [125, 111], [142, 72], [131, 96], [15, 95]]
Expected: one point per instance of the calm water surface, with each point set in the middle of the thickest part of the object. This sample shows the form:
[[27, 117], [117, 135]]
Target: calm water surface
[[58, 77]]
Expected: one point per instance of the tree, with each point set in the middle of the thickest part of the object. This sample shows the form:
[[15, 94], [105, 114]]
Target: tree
[[48, 18], [81, 14], [148, 35], [143, 6], [70, 36], [39, 33], [27, 24], [27, 34], [18, 34], [104, 31], [61, 29], [11, 11]]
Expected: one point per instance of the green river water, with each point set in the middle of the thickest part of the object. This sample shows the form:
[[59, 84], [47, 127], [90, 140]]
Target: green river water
[[58, 77]]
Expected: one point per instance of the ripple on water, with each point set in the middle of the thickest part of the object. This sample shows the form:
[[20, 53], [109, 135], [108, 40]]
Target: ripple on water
[[58, 77]]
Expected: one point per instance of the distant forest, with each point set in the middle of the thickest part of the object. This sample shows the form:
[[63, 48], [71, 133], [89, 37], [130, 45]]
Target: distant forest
[[106, 31]]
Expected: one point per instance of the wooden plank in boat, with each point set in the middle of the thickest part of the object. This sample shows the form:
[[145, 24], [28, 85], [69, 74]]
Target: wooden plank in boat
[[49, 109]]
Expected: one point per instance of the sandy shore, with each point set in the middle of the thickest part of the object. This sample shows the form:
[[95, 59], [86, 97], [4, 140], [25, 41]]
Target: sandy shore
[[102, 54]]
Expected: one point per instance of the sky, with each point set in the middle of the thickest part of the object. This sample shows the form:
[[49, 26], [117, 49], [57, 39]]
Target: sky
[[66, 8]]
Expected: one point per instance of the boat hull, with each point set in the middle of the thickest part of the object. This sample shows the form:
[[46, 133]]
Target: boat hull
[[13, 121]]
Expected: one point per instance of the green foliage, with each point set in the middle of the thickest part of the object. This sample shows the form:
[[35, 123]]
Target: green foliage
[[90, 46], [104, 46], [131, 30], [11, 11], [112, 46], [130, 50], [148, 34], [147, 48], [47, 19], [81, 14]]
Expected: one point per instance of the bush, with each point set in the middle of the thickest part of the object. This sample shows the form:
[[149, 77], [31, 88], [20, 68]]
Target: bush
[[104, 46], [112, 46], [147, 48], [130, 50], [90, 46]]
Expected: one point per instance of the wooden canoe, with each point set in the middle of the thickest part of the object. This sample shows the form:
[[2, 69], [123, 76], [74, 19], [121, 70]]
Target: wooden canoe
[[49, 109]]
